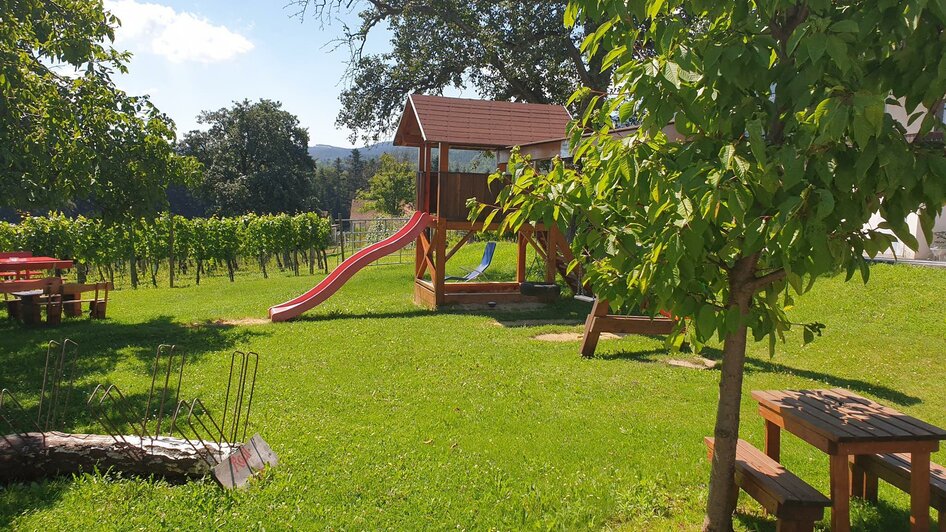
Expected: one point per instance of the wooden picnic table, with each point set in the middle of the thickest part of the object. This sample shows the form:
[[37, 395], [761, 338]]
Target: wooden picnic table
[[844, 425]]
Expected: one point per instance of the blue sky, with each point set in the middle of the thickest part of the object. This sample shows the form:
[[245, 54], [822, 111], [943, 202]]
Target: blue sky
[[194, 56]]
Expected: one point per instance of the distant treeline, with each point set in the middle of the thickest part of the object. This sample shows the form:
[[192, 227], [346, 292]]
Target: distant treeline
[[186, 246]]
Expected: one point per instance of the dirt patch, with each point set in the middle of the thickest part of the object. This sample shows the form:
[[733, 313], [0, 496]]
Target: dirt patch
[[573, 337], [695, 363], [233, 322], [537, 323]]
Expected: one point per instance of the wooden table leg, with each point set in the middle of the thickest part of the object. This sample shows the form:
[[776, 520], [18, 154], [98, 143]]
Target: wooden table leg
[[920, 491], [30, 311], [840, 493], [773, 440]]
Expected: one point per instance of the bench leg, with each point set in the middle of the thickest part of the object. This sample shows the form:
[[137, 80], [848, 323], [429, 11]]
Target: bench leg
[[54, 313], [71, 309], [97, 310], [840, 493], [773, 440], [13, 309], [863, 484], [786, 525], [942, 521], [920, 491]]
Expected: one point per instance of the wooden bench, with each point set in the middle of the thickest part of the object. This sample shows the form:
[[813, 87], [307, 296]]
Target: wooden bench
[[72, 299], [895, 469], [795, 504]]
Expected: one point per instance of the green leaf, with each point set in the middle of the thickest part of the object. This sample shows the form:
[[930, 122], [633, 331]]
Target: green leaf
[[837, 49], [653, 9], [726, 155], [671, 72], [756, 141], [706, 322]]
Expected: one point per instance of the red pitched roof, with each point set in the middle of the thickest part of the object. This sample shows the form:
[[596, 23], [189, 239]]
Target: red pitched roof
[[478, 123]]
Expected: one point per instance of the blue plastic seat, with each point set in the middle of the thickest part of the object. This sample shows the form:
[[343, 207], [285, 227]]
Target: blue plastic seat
[[484, 264]]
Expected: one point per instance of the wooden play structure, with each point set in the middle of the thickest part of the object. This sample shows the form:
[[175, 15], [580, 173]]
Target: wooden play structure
[[436, 125]]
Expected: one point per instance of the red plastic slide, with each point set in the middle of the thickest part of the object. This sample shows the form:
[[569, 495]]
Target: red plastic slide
[[322, 291]]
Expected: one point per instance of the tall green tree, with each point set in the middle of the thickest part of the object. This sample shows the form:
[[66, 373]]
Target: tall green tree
[[787, 151], [392, 187], [256, 159], [67, 133], [510, 50]]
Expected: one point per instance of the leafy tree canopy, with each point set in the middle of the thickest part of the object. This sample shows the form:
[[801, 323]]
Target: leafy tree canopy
[[780, 150], [391, 188], [66, 131], [256, 159], [510, 50]]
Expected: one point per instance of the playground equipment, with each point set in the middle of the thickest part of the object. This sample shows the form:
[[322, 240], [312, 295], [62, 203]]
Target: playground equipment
[[339, 276], [479, 270], [438, 124]]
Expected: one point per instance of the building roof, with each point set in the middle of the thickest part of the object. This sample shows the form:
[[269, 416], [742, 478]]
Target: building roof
[[471, 123]]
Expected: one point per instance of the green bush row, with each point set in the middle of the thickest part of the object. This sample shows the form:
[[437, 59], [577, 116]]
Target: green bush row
[[92, 243]]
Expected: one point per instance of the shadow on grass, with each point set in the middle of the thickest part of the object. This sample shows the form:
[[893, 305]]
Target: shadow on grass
[[864, 516], [102, 344], [834, 381]]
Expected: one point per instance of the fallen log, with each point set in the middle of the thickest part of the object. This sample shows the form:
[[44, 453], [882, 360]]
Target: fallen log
[[34, 455]]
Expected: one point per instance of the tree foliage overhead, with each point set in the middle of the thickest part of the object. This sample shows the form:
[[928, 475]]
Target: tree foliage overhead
[[784, 152], [66, 131], [256, 159], [508, 50]]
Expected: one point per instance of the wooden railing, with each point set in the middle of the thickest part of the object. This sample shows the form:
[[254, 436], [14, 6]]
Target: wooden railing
[[449, 191]]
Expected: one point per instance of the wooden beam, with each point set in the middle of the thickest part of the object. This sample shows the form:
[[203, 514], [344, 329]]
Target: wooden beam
[[521, 247], [599, 321], [459, 244], [551, 257], [471, 288], [440, 263]]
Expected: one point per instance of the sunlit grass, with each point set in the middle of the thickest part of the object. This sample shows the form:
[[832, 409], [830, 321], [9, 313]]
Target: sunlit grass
[[388, 416]]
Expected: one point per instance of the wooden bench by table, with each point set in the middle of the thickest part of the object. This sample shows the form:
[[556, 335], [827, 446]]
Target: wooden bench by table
[[795, 504], [72, 298], [896, 469]]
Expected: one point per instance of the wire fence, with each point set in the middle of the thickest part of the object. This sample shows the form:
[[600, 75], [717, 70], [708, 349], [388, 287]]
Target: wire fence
[[349, 236]]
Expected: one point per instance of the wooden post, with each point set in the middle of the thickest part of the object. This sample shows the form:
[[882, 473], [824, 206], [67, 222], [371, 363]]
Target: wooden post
[[773, 441], [171, 248], [920, 491], [521, 245], [551, 256], [440, 261], [590, 340], [841, 493]]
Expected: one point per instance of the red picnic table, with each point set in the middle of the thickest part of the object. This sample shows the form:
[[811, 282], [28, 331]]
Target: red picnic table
[[18, 270], [18, 266]]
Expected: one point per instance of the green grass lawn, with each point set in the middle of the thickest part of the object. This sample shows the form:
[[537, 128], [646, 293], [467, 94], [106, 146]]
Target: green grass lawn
[[387, 416]]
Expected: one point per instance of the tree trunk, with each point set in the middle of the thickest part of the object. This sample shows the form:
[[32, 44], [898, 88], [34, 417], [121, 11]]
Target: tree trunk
[[42, 455], [721, 502], [200, 267], [263, 259], [230, 269]]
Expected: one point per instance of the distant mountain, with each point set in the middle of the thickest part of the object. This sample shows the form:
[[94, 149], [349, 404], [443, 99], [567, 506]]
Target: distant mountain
[[325, 153], [461, 160]]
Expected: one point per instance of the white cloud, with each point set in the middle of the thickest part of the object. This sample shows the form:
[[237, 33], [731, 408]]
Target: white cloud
[[177, 36]]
